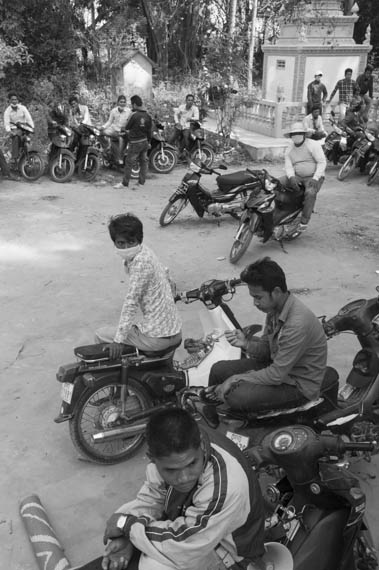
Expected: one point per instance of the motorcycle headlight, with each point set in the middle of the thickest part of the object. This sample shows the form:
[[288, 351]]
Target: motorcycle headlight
[[370, 137], [270, 185], [92, 138], [62, 137]]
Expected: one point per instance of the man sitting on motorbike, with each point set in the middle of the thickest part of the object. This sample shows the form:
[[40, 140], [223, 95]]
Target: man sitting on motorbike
[[57, 116], [305, 163], [286, 365], [13, 114], [314, 125], [115, 124], [183, 116], [200, 508], [149, 290]]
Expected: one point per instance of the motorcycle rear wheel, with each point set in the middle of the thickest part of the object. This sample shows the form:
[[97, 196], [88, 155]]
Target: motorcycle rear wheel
[[93, 166], [163, 160], [31, 166], [373, 174], [347, 167], [241, 244], [94, 410], [172, 210], [204, 155], [64, 171]]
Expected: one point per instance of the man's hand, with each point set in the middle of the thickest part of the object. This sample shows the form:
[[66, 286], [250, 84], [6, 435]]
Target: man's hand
[[222, 389], [294, 183], [236, 338], [312, 184], [117, 554], [111, 529], [115, 350]]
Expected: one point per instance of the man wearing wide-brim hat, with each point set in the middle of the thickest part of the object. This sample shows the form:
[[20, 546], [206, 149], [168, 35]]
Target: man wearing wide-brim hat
[[304, 162]]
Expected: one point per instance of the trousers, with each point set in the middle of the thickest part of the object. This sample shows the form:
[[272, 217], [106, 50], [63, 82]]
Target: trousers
[[137, 152], [310, 195], [136, 338]]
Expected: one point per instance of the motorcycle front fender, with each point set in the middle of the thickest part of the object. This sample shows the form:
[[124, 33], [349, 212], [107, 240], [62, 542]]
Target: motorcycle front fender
[[66, 152], [93, 150], [170, 146]]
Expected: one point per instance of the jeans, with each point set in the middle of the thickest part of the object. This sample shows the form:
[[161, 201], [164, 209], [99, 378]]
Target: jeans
[[183, 136], [245, 396], [137, 152], [310, 195]]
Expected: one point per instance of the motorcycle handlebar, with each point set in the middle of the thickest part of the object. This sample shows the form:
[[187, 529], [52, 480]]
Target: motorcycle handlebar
[[209, 290]]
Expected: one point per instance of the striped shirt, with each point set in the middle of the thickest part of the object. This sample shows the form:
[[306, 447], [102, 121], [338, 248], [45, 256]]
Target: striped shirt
[[150, 292], [347, 89], [224, 511]]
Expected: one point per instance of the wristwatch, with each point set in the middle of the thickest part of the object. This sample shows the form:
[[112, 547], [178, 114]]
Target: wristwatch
[[122, 521]]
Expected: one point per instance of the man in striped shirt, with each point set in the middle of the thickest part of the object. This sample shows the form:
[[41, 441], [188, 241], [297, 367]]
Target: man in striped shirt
[[347, 89], [199, 508], [149, 291]]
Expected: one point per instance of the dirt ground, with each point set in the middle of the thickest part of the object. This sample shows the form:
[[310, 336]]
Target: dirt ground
[[60, 280]]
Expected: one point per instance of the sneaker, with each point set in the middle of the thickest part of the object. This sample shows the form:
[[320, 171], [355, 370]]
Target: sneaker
[[120, 185], [302, 227]]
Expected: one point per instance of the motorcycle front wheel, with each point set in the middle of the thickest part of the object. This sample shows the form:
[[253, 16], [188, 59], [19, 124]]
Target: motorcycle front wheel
[[245, 235], [204, 155], [31, 166], [61, 168], [347, 167], [163, 160], [373, 173], [89, 172], [98, 409], [170, 212]]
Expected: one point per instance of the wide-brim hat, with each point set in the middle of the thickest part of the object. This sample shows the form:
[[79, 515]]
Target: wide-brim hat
[[296, 129]]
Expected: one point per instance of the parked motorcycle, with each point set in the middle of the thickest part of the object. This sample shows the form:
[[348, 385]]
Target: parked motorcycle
[[353, 410], [87, 156], [230, 197], [373, 162], [269, 212], [61, 164], [336, 143], [29, 161], [198, 151], [359, 154], [318, 505], [107, 402]]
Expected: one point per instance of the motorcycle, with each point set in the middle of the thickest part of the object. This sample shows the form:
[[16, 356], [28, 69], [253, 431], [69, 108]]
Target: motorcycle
[[61, 165], [373, 162], [107, 402], [87, 155], [352, 410], [230, 197], [317, 507], [269, 212], [29, 161], [336, 143], [198, 151], [362, 142]]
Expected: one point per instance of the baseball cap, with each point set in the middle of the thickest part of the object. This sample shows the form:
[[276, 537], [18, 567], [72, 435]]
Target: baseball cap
[[318, 73]]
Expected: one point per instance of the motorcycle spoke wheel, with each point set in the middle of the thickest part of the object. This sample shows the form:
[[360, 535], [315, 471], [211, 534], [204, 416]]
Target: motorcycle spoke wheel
[[93, 166], [163, 160], [171, 211], [373, 174], [347, 167], [203, 155], [245, 236], [98, 409], [62, 170], [31, 166]]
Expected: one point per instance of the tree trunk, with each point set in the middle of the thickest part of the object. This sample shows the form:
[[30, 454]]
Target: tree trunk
[[154, 51], [250, 64]]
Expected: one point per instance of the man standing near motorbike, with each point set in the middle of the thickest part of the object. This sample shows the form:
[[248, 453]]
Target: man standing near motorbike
[[305, 163], [149, 290], [183, 116], [15, 113], [200, 508], [139, 129], [286, 366], [316, 93], [116, 123]]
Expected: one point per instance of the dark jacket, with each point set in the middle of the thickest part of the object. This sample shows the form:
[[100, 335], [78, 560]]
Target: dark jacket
[[139, 126]]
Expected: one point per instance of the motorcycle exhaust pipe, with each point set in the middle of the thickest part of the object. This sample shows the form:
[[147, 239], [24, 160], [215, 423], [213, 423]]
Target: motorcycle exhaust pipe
[[118, 433]]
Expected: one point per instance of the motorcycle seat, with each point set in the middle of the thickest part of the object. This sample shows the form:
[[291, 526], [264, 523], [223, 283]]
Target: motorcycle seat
[[95, 352], [227, 182]]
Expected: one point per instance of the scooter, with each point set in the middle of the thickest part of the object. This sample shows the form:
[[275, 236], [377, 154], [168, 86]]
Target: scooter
[[353, 410], [269, 212], [61, 164], [317, 507], [336, 143], [198, 151], [107, 402], [373, 163], [29, 161], [87, 155], [362, 142], [233, 190]]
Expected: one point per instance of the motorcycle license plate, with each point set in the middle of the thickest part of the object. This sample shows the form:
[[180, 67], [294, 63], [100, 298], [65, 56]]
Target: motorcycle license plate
[[242, 441], [67, 391]]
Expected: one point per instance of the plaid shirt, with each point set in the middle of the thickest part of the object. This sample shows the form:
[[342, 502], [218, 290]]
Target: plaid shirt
[[150, 291], [347, 89]]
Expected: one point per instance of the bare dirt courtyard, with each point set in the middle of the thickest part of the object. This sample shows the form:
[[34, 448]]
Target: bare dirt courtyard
[[60, 280]]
